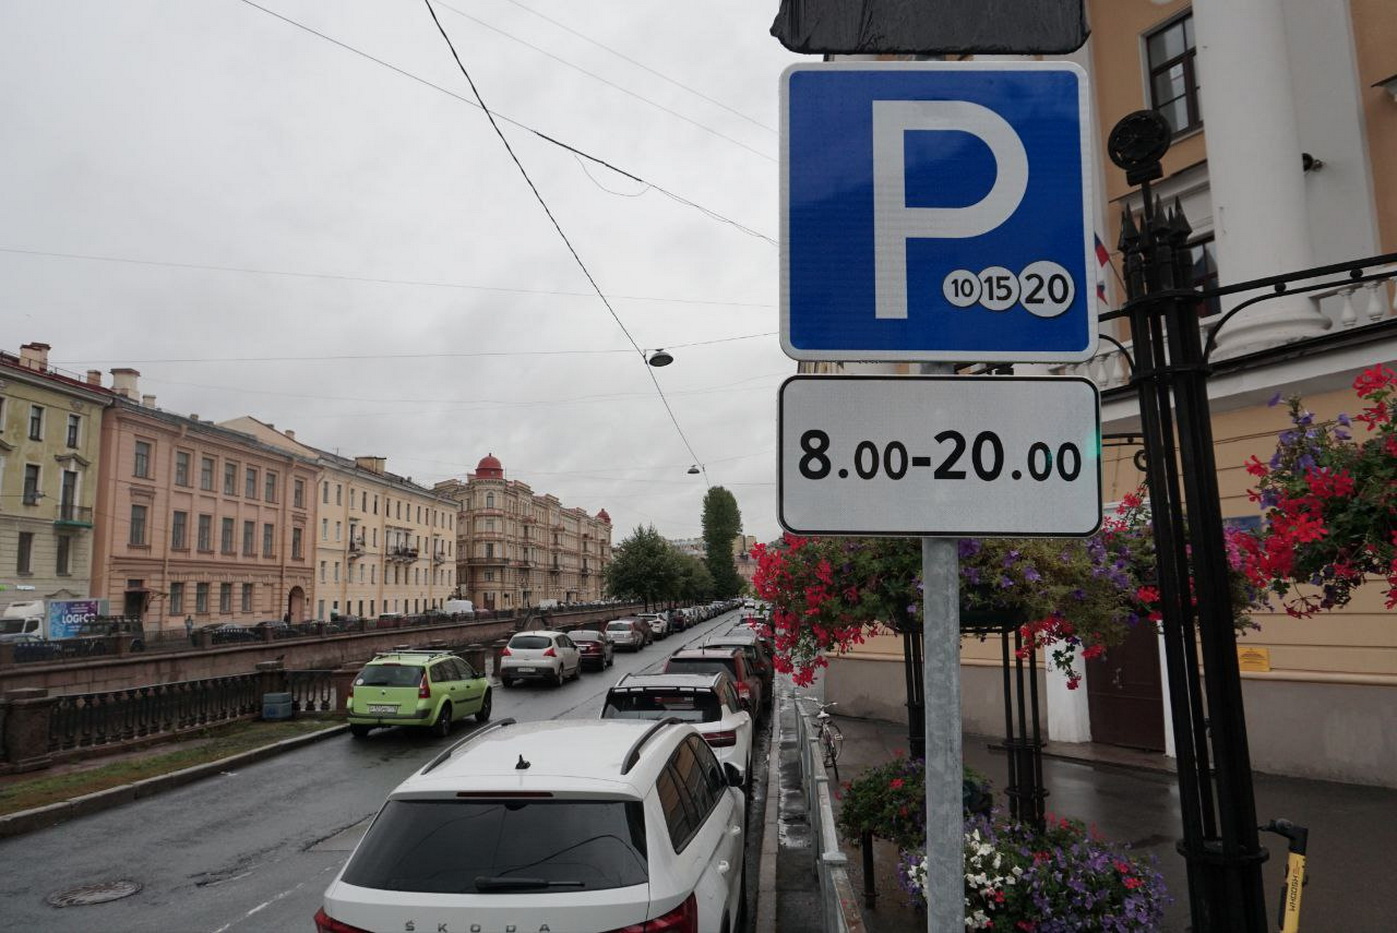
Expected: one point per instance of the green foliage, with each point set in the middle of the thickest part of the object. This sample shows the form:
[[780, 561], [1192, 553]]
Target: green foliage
[[695, 583], [722, 522], [889, 800], [644, 566]]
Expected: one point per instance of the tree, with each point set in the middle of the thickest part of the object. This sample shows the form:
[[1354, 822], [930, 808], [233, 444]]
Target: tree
[[644, 566], [721, 523], [695, 582]]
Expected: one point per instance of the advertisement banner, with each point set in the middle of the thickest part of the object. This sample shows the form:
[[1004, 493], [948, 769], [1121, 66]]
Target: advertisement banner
[[66, 616]]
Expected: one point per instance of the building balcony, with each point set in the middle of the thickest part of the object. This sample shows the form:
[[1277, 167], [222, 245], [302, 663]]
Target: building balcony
[[405, 554], [486, 561], [73, 516], [439, 557]]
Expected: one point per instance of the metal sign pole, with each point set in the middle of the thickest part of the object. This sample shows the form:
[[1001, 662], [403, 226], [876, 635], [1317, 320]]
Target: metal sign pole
[[945, 761]]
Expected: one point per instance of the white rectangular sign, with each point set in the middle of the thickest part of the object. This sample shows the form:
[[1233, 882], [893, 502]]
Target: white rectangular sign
[[960, 456]]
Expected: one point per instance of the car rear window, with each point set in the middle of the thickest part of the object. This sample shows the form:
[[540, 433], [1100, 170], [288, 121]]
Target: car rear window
[[618, 626], [531, 641], [390, 675], [701, 666], [586, 636], [689, 707], [462, 846]]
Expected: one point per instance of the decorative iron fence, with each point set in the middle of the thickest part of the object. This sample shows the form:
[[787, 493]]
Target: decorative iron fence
[[82, 720], [311, 691]]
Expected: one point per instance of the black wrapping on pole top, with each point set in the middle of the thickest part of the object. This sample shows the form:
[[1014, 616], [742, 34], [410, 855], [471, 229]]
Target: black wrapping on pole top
[[931, 27]]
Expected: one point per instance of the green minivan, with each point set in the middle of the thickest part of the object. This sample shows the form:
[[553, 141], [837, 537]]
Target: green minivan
[[426, 689]]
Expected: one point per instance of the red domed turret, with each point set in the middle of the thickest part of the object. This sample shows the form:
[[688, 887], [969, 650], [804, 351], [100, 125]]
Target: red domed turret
[[489, 468], [603, 517]]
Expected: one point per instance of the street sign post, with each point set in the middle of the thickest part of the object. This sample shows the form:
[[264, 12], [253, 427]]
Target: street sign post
[[940, 455], [937, 211]]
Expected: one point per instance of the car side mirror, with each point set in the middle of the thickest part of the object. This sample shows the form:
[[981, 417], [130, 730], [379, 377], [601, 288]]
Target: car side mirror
[[733, 775]]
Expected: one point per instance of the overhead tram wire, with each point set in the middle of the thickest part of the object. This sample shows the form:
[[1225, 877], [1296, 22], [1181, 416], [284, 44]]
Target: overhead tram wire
[[642, 66], [640, 352], [677, 198]]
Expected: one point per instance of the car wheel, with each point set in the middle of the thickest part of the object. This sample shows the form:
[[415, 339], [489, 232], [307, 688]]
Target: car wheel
[[558, 678], [506, 682], [483, 714], [610, 661], [358, 731], [442, 727]]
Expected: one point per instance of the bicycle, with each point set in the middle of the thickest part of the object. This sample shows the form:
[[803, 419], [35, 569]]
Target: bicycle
[[830, 738]]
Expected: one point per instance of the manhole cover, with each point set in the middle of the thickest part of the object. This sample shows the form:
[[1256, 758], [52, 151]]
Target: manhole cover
[[94, 893]]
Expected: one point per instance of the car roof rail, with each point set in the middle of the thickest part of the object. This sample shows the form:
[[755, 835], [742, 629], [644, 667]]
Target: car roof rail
[[475, 734], [633, 756]]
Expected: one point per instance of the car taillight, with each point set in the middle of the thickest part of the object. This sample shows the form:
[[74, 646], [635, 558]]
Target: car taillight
[[721, 739], [550, 653], [744, 688], [682, 919], [324, 923], [505, 652], [424, 692]]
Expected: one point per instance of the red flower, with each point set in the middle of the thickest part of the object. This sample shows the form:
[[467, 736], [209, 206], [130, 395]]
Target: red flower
[[895, 783], [1255, 467], [1374, 380], [1147, 595]]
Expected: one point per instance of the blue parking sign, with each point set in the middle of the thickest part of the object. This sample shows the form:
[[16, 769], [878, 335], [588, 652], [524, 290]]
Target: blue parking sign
[[937, 211]]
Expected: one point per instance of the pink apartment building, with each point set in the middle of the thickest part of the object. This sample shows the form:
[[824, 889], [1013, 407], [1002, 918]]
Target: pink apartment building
[[199, 522]]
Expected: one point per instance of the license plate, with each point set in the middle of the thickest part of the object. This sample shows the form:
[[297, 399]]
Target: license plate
[[525, 670], [382, 708]]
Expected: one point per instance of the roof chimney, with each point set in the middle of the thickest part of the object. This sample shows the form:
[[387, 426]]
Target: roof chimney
[[94, 377], [148, 401], [124, 382], [372, 464], [34, 356], [193, 417], [290, 435]]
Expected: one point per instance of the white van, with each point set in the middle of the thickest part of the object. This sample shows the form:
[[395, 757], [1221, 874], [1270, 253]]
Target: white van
[[461, 607]]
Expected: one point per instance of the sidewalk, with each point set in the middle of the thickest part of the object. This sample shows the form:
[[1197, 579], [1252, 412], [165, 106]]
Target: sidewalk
[[1130, 797]]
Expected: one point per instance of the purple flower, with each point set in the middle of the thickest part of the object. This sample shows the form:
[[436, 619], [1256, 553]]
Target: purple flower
[[1274, 400], [1344, 420], [967, 547], [1005, 583], [1031, 575], [1306, 462]]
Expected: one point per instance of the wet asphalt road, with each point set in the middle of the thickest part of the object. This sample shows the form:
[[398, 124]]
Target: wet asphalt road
[[253, 850]]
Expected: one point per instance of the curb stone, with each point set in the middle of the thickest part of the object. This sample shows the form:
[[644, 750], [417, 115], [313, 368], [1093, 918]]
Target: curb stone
[[28, 821]]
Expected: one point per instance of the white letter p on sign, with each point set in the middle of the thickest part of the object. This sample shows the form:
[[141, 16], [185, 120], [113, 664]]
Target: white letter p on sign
[[894, 223]]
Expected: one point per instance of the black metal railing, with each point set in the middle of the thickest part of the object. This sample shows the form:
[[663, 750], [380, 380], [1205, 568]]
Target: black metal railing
[[311, 691], [70, 514], [83, 720]]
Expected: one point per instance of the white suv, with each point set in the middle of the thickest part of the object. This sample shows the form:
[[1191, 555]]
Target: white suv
[[568, 826], [541, 655], [709, 701]]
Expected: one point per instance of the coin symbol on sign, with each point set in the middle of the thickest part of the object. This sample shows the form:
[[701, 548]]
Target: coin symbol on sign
[[961, 288]]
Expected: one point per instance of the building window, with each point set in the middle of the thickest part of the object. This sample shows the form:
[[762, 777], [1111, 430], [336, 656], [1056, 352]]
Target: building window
[[339, 528], [296, 553], [181, 468], [325, 493], [64, 559], [375, 503], [268, 540], [250, 484], [205, 532], [24, 562], [339, 494], [270, 486], [230, 479], [31, 484], [138, 526], [322, 571], [249, 538], [201, 598], [1203, 253], [179, 530], [74, 430], [226, 536], [298, 494], [142, 465], [225, 597], [1173, 91], [324, 529], [206, 474], [36, 422], [176, 598], [247, 597], [337, 571]]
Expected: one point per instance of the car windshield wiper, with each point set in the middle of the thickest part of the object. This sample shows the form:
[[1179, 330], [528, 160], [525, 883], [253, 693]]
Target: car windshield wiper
[[501, 883]]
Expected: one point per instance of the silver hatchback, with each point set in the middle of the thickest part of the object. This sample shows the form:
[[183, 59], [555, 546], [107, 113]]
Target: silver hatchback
[[544, 655]]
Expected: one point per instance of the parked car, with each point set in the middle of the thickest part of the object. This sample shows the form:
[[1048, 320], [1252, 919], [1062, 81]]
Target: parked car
[[561, 825], [596, 648], [659, 624], [762, 627], [421, 689], [539, 655], [709, 701], [714, 660], [757, 657], [627, 633], [225, 633]]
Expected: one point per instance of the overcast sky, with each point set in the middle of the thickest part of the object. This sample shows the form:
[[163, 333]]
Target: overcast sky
[[402, 293]]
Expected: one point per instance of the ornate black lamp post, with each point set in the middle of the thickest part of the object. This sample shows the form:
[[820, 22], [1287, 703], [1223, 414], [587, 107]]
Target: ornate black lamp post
[[1220, 842]]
